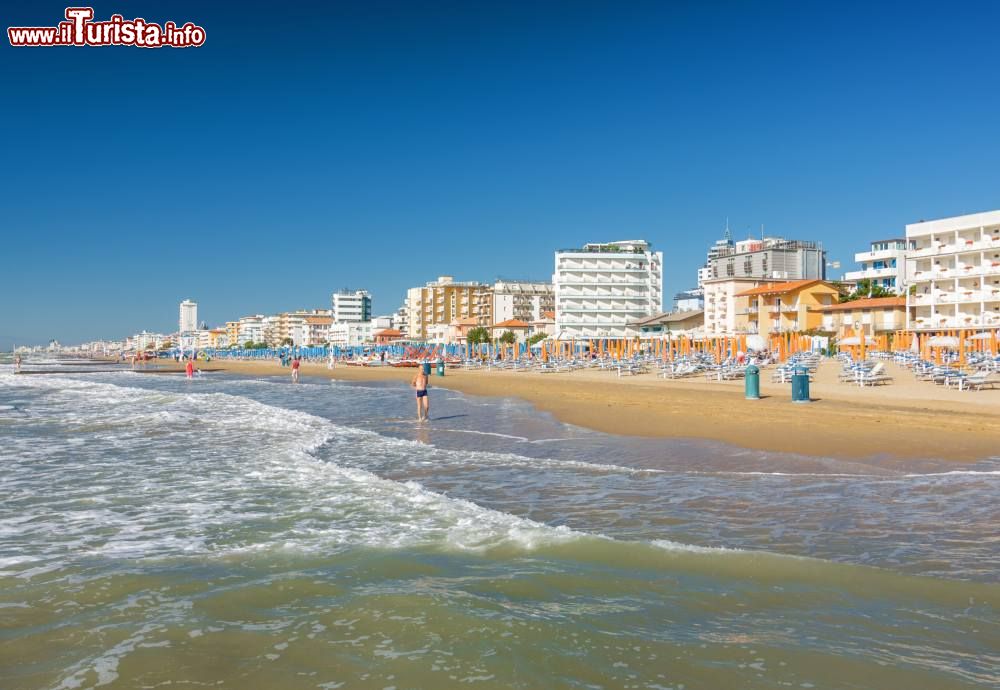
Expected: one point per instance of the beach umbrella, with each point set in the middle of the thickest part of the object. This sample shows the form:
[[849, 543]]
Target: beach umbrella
[[854, 340], [983, 336], [939, 341], [755, 342]]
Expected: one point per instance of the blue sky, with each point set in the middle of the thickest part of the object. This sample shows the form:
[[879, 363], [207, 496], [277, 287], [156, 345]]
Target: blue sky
[[380, 144]]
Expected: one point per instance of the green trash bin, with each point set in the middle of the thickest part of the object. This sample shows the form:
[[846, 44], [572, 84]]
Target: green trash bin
[[440, 367], [752, 382], [800, 385]]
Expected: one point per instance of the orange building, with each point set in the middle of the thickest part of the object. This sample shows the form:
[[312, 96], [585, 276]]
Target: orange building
[[787, 307], [876, 315]]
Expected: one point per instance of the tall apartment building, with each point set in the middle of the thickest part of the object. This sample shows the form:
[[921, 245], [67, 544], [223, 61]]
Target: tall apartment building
[[884, 264], [603, 287], [955, 276], [724, 245], [251, 329], [770, 257], [188, 320], [442, 301], [522, 300], [351, 306]]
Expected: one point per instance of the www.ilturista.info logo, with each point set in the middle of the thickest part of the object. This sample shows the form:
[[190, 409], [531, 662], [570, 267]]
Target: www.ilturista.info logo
[[79, 29]]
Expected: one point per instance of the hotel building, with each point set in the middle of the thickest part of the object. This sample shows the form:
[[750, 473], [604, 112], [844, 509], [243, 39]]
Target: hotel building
[[351, 306], [884, 264], [522, 300], [790, 307], [188, 317], [725, 314], [443, 301], [601, 289], [770, 257], [874, 316], [955, 276]]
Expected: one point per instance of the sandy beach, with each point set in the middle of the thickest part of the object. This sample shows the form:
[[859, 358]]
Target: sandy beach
[[905, 420]]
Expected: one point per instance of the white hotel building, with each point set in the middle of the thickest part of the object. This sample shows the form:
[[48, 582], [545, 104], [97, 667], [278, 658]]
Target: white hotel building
[[884, 264], [955, 272], [602, 287]]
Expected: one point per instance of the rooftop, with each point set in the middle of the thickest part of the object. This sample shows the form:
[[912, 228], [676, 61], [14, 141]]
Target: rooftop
[[512, 323], [617, 247], [669, 317], [782, 288]]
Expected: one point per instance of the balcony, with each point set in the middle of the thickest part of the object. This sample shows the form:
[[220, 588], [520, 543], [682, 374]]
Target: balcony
[[871, 274]]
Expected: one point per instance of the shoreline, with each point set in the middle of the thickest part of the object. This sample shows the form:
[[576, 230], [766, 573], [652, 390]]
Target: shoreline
[[906, 420]]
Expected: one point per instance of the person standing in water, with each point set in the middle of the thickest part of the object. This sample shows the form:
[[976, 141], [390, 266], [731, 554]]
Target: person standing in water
[[295, 370], [189, 368], [17, 363], [420, 385]]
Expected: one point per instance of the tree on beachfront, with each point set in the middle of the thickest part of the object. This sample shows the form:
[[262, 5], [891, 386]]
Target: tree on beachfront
[[508, 338], [865, 289], [477, 335], [537, 338], [287, 341]]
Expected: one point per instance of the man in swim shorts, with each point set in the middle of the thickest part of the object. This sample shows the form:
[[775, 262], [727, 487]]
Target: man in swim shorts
[[420, 385]]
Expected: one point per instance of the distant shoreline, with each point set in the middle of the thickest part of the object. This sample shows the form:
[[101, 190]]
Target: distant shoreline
[[905, 421]]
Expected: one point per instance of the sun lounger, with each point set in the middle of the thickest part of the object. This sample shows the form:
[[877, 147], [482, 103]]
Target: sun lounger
[[978, 381]]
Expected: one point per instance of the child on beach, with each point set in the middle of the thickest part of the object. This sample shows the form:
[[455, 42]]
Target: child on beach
[[420, 384]]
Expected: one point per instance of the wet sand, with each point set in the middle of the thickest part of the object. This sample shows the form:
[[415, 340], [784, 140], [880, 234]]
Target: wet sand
[[907, 419]]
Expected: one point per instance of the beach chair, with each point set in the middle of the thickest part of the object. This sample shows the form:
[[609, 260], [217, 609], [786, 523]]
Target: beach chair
[[874, 377], [977, 381]]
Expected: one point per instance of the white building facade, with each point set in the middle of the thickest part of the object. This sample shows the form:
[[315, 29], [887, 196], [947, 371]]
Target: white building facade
[[188, 320], [603, 288], [522, 300], [955, 272], [351, 306], [351, 334], [251, 329], [884, 264]]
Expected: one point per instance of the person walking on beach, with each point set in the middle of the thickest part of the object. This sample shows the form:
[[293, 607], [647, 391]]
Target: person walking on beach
[[420, 385], [295, 370], [189, 369]]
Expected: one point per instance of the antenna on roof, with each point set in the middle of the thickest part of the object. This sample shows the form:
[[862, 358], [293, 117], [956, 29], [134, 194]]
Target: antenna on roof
[[762, 232], [728, 237]]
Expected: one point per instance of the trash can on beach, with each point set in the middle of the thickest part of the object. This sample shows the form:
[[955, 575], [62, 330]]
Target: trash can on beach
[[440, 367], [752, 382], [800, 385], [426, 368]]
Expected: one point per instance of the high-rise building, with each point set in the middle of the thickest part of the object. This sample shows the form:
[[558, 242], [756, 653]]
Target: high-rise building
[[351, 306], [955, 272], [726, 244], [189, 317], [602, 288], [769, 258], [443, 301], [884, 265], [522, 300]]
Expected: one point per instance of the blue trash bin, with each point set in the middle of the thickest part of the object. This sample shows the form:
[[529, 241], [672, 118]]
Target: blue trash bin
[[752, 382], [800, 385], [426, 367]]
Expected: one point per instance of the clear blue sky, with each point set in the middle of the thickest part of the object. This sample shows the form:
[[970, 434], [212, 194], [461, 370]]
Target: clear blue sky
[[380, 144]]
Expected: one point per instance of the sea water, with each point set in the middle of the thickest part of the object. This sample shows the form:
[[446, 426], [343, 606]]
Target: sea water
[[251, 533]]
